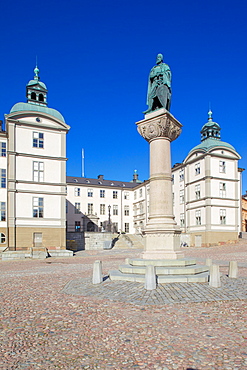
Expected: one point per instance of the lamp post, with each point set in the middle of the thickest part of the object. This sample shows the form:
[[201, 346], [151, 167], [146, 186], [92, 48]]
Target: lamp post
[[109, 218]]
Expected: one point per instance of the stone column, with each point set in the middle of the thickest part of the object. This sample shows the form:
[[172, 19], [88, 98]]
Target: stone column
[[162, 235]]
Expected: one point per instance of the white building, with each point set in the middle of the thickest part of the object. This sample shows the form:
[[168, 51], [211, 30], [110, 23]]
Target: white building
[[33, 192], [207, 190], [100, 205]]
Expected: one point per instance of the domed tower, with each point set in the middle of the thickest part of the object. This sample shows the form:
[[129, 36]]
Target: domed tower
[[207, 189], [36, 173]]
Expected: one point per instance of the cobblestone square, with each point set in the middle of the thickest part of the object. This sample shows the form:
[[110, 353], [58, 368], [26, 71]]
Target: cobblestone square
[[53, 317]]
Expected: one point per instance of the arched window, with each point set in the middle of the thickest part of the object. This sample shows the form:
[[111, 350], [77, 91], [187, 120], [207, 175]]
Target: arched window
[[33, 96], [41, 97], [3, 239]]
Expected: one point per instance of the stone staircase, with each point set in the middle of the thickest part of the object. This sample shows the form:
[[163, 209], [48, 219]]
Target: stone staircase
[[129, 241], [167, 271], [32, 253]]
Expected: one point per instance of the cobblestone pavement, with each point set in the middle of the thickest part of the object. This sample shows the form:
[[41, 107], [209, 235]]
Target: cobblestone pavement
[[52, 317]]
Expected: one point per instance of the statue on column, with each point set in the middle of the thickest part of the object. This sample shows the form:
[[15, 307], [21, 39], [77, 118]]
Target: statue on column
[[159, 86]]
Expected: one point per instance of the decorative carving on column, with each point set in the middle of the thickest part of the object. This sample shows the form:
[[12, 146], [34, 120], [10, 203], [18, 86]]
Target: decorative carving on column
[[165, 126]]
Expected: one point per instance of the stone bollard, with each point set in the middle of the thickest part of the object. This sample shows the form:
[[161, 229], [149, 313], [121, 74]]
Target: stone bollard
[[150, 278], [233, 269], [208, 262], [97, 272], [214, 276]]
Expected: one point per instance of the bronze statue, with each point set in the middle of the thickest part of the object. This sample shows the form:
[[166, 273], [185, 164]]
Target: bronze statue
[[159, 86]]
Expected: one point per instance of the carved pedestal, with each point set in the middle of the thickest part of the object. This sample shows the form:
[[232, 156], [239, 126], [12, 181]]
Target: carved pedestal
[[162, 235]]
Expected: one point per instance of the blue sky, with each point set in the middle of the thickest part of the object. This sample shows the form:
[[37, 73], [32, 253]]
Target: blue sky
[[95, 57]]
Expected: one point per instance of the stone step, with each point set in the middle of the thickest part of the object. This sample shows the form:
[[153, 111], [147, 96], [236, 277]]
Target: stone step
[[183, 270], [197, 278], [16, 255], [60, 253], [162, 262]]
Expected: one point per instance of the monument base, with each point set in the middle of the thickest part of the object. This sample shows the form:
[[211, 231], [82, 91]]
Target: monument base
[[162, 244]]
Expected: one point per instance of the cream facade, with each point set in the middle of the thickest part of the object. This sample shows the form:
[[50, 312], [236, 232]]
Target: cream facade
[[35, 192]]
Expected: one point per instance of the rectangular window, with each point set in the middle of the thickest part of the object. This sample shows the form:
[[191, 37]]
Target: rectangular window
[[3, 149], [78, 226], [197, 169], [114, 194], [38, 140], [102, 193], [115, 210], [102, 209], [3, 211], [181, 196], [126, 195], [126, 227], [66, 205], [134, 194], [182, 223], [222, 189], [172, 178], [198, 191], [140, 193], [141, 207], [38, 171], [90, 193], [77, 192], [181, 174], [77, 207], [222, 216], [198, 217], [38, 207], [3, 177], [222, 166], [135, 209], [90, 208], [126, 210]]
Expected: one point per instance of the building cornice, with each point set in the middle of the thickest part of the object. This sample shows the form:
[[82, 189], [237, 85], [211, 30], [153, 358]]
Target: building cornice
[[210, 178], [36, 155]]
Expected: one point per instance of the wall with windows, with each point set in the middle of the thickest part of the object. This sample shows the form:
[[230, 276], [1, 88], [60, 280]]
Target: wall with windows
[[206, 188], [45, 140], [36, 181], [96, 202]]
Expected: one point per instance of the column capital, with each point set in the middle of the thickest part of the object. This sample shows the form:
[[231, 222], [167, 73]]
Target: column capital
[[159, 124]]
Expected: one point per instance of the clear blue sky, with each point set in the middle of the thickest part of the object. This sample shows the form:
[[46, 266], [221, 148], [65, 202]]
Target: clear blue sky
[[95, 57]]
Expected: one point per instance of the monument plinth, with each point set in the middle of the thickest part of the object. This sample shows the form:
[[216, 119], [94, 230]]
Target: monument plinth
[[162, 235]]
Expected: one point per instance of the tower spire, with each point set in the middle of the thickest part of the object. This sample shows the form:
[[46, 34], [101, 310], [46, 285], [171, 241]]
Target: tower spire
[[36, 71], [210, 115]]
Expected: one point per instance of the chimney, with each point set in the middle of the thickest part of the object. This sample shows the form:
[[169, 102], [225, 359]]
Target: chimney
[[101, 177]]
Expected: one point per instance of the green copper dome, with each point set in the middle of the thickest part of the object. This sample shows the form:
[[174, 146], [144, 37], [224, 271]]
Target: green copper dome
[[20, 107], [210, 143], [210, 136], [35, 82]]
